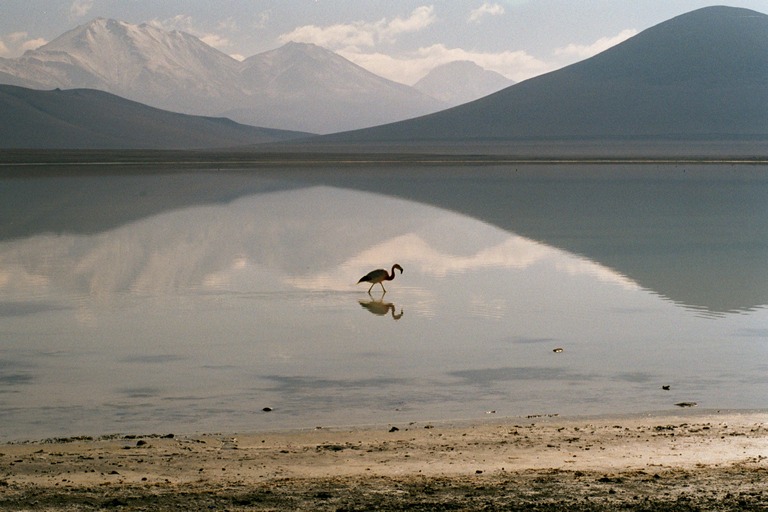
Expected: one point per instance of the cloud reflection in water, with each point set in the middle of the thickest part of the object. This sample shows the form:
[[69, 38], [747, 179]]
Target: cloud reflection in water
[[254, 302]]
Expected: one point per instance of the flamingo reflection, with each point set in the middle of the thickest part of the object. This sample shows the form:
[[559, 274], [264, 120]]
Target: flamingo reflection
[[381, 308]]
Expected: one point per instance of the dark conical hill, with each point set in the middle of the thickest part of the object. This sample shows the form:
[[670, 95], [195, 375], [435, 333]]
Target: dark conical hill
[[700, 75]]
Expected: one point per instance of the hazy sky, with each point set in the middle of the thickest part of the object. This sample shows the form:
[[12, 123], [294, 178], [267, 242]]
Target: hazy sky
[[399, 39]]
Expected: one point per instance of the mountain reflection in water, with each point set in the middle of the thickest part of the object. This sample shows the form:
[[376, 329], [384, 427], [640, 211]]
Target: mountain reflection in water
[[240, 287]]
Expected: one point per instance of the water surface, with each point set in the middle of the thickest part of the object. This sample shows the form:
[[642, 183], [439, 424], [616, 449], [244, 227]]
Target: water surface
[[187, 302]]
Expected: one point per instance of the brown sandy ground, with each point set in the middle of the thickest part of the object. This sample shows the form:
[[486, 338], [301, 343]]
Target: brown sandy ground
[[686, 463]]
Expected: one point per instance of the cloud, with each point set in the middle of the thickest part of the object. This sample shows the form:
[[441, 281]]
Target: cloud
[[16, 43], [332, 37], [413, 250], [228, 25], [361, 41], [215, 40], [409, 67], [179, 22], [262, 19], [33, 44], [420, 18], [487, 9], [80, 8], [580, 52], [16, 37], [361, 33]]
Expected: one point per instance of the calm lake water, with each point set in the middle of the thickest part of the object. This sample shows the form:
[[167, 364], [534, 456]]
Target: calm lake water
[[189, 301]]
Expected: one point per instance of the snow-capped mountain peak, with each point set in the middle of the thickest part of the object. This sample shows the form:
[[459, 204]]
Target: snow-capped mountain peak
[[120, 54]]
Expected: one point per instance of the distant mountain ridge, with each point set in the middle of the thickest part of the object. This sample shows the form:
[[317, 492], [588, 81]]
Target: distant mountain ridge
[[91, 119], [461, 81], [298, 86], [700, 75]]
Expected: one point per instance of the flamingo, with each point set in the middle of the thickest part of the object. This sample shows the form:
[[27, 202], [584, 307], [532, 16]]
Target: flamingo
[[379, 276]]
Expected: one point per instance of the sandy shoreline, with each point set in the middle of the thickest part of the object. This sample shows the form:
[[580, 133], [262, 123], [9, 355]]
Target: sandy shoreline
[[695, 461]]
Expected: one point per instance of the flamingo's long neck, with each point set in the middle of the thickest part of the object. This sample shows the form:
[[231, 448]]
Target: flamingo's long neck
[[392, 275]]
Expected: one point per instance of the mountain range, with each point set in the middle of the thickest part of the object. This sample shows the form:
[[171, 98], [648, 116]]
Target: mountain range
[[702, 75], [305, 87], [296, 87]]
